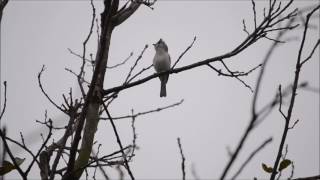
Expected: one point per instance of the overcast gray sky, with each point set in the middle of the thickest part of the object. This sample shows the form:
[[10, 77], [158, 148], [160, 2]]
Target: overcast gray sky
[[216, 109]]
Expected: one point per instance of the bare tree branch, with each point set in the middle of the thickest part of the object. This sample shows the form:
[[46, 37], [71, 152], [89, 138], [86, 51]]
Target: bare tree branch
[[183, 160], [119, 142], [293, 95], [3, 4], [135, 64], [184, 52], [145, 112], [251, 156], [5, 100], [121, 63], [254, 114], [126, 12], [259, 33], [45, 93], [3, 137], [84, 44], [308, 178]]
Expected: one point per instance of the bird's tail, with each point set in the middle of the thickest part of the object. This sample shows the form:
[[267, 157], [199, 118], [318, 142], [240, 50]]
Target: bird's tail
[[163, 91]]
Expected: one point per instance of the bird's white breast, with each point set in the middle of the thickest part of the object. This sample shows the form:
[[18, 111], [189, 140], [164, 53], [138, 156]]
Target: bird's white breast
[[161, 61]]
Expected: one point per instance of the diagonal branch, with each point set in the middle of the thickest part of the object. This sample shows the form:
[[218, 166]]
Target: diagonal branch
[[251, 156], [293, 95], [3, 3], [119, 141], [125, 12], [184, 52], [254, 114], [123, 15]]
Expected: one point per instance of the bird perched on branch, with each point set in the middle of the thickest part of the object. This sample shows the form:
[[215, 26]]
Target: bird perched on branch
[[162, 62]]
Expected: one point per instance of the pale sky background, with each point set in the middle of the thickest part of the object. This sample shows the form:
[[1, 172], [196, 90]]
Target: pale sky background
[[216, 109]]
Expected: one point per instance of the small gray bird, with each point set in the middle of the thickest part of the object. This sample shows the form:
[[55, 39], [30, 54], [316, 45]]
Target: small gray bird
[[162, 62]]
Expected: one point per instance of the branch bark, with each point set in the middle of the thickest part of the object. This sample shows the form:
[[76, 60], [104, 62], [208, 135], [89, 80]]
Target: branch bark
[[287, 118]]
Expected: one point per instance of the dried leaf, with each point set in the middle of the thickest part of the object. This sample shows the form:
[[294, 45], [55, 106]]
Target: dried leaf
[[266, 168]]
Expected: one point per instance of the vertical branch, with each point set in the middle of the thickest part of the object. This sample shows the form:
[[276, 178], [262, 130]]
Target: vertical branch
[[89, 115], [183, 160], [254, 114], [3, 3], [81, 73], [86, 107], [4, 152], [5, 100], [61, 143], [299, 64], [3, 137], [253, 107], [254, 14]]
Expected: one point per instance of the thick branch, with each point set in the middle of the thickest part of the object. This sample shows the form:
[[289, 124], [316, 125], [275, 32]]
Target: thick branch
[[3, 3], [123, 15]]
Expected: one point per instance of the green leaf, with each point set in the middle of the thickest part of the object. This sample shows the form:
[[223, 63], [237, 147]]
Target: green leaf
[[19, 161], [266, 168], [284, 164], [7, 167]]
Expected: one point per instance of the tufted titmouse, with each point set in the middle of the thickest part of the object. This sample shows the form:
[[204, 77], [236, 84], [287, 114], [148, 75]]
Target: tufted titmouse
[[162, 62]]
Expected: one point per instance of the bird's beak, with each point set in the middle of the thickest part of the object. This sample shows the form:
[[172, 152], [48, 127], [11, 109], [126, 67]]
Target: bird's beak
[[154, 44]]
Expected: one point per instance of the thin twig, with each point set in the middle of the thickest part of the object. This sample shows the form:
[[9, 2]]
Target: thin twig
[[5, 100], [7, 148], [184, 52], [280, 104], [254, 13], [252, 38], [134, 139], [245, 27], [119, 141], [45, 93], [78, 55], [61, 143], [140, 72], [40, 149], [145, 112], [183, 160], [251, 156], [121, 63], [135, 64], [294, 124], [103, 172], [311, 53], [254, 115], [22, 146], [81, 73]]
